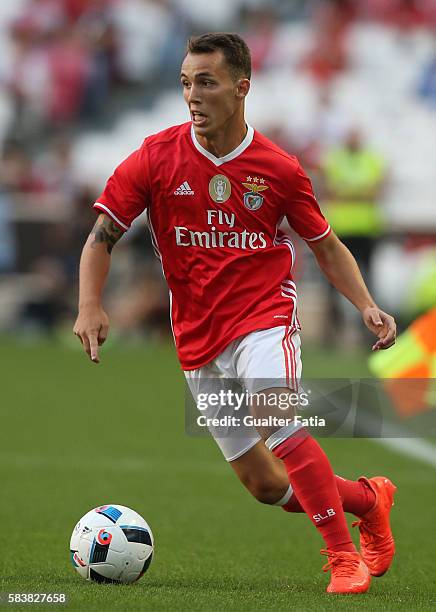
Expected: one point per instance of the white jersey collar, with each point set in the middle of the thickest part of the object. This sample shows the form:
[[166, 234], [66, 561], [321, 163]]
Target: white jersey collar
[[232, 155]]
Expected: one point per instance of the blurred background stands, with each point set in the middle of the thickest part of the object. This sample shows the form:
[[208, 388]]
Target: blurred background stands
[[349, 87]]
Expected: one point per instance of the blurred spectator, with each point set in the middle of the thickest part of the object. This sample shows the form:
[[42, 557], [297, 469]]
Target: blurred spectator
[[74, 9], [290, 11], [403, 14], [17, 175], [421, 295], [55, 171], [143, 27], [69, 65], [278, 133], [427, 84], [325, 131], [99, 37], [329, 123], [354, 177], [28, 81], [330, 24], [8, 247], [173, 48], [45, 16], [260, 30], [141, 305], [60, 68], [49, 302], [84, 215]]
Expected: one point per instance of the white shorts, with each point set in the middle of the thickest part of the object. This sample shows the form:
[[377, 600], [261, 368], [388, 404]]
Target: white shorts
[[264, 359]]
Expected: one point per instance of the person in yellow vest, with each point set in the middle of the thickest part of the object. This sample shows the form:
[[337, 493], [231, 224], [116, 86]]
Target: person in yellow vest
[[354, 177]]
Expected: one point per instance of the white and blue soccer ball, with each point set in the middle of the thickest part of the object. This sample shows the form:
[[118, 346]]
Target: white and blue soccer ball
[[112, 543]]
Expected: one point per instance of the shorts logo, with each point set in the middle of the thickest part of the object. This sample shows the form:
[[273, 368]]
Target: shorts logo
[[252, 199], [220, 188]]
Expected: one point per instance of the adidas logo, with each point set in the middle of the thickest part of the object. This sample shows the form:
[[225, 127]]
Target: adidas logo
[[184, 189]]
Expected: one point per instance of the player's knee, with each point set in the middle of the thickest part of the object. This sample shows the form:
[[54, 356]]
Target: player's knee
[[266, 491]]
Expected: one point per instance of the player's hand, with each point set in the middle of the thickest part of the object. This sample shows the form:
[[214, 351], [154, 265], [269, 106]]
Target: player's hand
[[382, 325], [92, 327]]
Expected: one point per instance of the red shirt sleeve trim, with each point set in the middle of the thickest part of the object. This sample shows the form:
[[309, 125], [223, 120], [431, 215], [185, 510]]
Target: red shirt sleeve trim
[[320, 237], [107, 210]]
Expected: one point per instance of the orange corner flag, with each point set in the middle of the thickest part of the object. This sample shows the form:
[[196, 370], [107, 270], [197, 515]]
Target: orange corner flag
[[409, 367]]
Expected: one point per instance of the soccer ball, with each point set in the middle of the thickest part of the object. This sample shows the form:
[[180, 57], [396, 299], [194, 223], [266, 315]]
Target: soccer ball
[[111, 544]]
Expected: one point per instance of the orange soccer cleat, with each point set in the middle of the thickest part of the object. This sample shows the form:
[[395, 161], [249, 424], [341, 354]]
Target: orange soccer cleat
[[377, 545], [349, 573]]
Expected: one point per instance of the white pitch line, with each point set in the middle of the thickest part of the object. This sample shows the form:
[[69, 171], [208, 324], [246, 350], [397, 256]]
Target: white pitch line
[[413, 447], [396, 438]]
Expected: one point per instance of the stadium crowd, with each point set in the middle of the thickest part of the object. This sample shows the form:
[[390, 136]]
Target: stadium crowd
[[69, 68]]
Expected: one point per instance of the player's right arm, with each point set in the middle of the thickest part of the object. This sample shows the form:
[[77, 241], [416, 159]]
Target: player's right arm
[[92, 324], [125, 197]]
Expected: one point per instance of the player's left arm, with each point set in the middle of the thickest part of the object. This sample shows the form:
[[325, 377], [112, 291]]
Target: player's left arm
[[341, 269]]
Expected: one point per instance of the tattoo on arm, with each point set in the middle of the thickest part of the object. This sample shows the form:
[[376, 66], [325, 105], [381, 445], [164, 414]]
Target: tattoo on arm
[[105, 231]]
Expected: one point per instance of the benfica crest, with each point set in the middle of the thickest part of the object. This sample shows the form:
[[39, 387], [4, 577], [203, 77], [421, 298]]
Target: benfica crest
[[252, 199]]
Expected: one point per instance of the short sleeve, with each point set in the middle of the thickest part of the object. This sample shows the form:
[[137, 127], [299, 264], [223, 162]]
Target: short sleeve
[[302, 210], [127, 192]]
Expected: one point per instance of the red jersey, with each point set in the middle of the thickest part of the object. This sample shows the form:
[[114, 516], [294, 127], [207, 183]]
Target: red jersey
[[214, 223]]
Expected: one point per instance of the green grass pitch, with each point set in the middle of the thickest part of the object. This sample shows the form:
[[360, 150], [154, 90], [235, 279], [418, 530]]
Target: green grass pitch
[[75, 435]]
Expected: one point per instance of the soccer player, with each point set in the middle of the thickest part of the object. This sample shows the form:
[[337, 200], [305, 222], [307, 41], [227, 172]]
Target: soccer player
[[215, 191]]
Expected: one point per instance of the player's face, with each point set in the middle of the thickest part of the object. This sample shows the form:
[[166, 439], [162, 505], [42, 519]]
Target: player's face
[[213, 96]]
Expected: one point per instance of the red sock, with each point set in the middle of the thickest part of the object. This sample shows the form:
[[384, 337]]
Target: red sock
[[356, 497], [313, 481]]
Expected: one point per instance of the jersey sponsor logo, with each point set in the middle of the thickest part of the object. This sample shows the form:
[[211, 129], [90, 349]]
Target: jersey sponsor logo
[[184, 190], [252, 199], [220, 188], [215, 239]]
